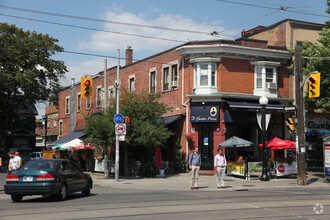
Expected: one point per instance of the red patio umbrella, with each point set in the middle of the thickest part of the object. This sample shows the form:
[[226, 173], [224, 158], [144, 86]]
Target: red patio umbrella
[[279, 144], [158, 157], [83, 147]]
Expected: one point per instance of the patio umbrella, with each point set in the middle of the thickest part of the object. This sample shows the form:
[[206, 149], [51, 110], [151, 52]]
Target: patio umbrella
[[58, 146], [158, 157], [235, 142], [71, 144], [279, 144], [82, 147]]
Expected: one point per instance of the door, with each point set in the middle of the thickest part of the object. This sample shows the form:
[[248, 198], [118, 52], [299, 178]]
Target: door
[[205, 145]]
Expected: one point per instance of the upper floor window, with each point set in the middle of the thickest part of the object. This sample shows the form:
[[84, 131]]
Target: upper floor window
[[153, 82], [166, 78], [67, 105], [170, 76], [61, 128], [265, 78], [88, 103], [132, 84], [98, 97], [205, 77], [78, 103]]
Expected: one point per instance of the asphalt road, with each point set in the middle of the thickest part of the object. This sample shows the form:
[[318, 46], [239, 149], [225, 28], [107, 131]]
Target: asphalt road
[[117, 203]]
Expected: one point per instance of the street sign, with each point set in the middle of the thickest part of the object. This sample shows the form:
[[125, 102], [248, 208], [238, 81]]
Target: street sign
[[121, 137], [289, 108], [120, 129], [118, 118]]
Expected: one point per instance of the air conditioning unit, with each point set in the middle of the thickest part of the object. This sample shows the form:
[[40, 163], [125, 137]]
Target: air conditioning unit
[[173, 84], [270, 85]]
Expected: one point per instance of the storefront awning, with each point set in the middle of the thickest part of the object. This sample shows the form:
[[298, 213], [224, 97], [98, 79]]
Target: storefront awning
[[172, 118], [252, 106], [316, 132], [69, 137]]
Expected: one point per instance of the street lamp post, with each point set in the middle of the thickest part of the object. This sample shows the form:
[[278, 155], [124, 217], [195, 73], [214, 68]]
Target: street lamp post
[[263, 102]]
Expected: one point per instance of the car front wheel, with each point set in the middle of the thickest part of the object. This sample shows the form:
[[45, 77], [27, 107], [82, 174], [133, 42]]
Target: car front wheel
[[87, 190], [16, 198]]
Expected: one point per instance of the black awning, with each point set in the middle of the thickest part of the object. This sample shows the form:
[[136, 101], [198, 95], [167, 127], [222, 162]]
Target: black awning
[[172, 118], [69, 137], [253, 106]]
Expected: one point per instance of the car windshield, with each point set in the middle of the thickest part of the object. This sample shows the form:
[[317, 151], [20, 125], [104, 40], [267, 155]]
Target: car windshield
[[46, 165]]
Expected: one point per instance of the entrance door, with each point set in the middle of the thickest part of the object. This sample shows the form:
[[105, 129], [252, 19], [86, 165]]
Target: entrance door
[[205, 145]]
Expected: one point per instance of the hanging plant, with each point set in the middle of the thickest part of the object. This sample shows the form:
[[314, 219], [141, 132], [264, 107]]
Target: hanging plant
[[188, 137]]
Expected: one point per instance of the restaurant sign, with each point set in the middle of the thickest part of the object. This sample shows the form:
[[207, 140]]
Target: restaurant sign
[[204, 113]]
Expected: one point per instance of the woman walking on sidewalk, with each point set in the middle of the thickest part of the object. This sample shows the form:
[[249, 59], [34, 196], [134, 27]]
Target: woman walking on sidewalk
[[195, 162], [220, 163]]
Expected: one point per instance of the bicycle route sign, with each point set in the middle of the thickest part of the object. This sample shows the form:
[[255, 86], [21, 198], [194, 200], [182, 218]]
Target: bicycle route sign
[[120, 129], [118, 118]]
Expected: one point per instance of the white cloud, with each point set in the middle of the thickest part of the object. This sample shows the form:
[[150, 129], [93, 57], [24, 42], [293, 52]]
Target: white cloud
[[105, 42]]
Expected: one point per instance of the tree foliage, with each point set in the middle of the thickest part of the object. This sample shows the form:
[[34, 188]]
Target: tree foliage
[[146, 128], [322, 64], [27, 69]]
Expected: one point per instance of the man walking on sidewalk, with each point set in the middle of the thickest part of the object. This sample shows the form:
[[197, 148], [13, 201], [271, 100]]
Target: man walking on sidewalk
[[220, 163], [194, 164]]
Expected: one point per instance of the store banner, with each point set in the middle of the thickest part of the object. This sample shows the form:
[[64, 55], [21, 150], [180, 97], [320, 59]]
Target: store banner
[[284, 169], [204, 113]]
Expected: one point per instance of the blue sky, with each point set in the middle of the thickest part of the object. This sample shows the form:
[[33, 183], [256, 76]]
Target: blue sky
[[227, 17]]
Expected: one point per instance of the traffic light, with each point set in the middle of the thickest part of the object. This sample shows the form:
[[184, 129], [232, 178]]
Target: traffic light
[[290, 123], [86, 87], [314, 85], [128, 121]]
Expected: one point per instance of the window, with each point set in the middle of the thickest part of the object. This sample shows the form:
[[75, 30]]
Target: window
[[21, 142], [153, 82], [78, 103], [265, 78], [175, 72], [132, 84], [98, 97], [88, 103], [166, 78], [205, 77], [54, 123], [67, 105], [61, 128]]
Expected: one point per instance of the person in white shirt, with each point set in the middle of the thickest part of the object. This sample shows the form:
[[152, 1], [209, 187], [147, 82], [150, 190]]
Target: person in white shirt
[[19, 159], [220, 163]]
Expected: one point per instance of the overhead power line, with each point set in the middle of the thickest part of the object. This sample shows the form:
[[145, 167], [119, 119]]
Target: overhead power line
[[106, 21], [284, 8]]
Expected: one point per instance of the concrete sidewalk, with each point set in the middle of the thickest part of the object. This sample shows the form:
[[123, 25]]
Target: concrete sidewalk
[[208, 182]]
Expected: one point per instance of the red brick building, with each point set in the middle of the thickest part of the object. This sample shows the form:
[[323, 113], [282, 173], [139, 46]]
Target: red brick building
[[213, 88]]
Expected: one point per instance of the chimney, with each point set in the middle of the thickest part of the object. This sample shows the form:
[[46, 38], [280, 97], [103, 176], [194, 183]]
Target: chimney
[[129, 55]]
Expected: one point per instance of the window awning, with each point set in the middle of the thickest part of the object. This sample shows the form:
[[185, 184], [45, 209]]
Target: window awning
[[172, 118], [67, 138], [252, 106]]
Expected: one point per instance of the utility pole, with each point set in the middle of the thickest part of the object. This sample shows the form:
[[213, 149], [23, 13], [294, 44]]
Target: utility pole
[[105, 102], [117, 111], [300, 137]]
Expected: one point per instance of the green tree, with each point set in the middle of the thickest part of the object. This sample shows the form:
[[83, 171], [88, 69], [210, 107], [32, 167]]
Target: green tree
[[321, 64], [146, 130], [28, 74]]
